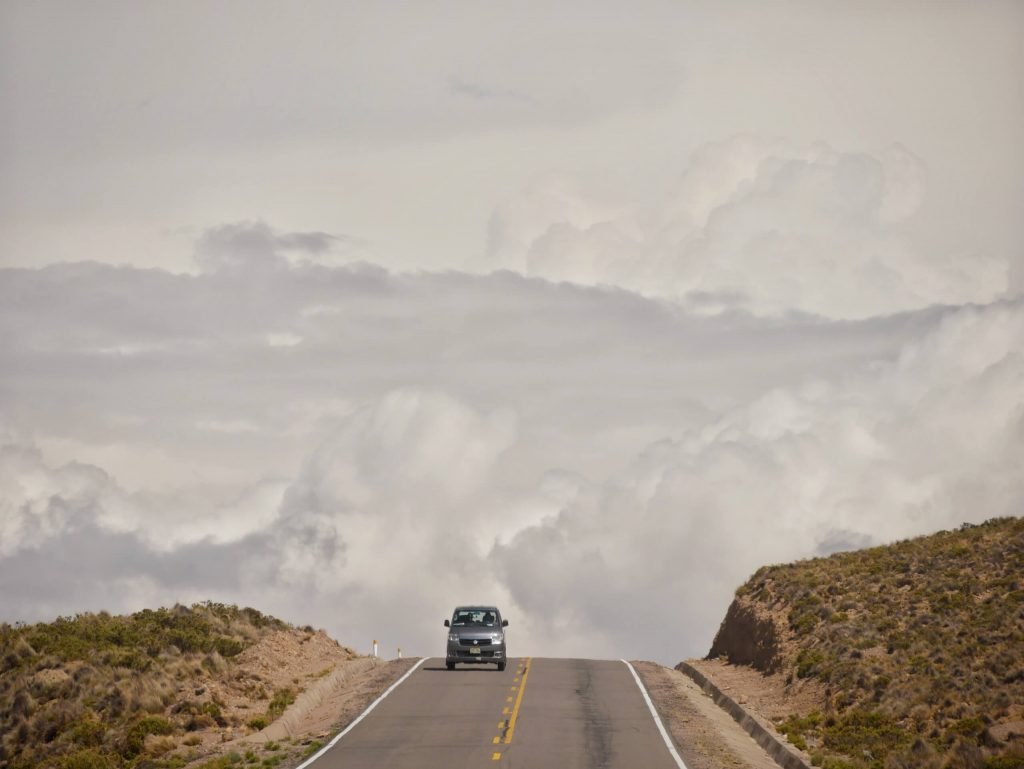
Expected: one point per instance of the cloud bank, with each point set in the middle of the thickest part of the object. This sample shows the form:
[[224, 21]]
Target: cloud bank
[[756, 224], [361, 449]]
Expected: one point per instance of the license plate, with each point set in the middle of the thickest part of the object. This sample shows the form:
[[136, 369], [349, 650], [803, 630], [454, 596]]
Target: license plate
[[474, 650]]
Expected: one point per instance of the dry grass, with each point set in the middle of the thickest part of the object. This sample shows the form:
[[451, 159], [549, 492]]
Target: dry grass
[[920, 647], [103, 692]]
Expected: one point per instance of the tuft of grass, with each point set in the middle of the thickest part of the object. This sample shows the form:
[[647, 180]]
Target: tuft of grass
[[222, 762], [312, 748], [279, 703], [89, 758], [135, 739]]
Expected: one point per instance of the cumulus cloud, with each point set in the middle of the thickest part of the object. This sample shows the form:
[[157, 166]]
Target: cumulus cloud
[[381, 523], [412, 445], [383, 518], [37, 502], [606, 465], [757, 224], [647, 560]]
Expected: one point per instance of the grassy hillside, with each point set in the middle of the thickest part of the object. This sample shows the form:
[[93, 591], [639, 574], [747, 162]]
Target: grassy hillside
[[104, 692], [919, 647]]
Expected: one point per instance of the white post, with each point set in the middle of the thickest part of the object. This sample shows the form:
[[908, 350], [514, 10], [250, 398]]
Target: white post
[[374, 647], [399, 652]]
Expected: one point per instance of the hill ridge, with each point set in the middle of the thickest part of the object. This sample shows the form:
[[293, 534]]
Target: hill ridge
[[158, 689]]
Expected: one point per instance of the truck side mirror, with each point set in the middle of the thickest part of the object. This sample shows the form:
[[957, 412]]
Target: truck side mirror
[[504, 623], [447, 623]]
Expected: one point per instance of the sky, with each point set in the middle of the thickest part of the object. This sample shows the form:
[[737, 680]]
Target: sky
[[354, 312]]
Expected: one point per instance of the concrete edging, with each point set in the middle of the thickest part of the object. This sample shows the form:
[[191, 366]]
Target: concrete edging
[[783, 754]]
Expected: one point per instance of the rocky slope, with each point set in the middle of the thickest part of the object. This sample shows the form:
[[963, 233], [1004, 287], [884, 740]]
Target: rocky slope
[[910, 655]]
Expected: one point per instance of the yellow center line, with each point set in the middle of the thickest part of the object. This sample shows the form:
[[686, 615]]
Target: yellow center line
[[519, 701]]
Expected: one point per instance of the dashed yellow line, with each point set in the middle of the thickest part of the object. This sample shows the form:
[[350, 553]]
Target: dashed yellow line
[[519, 701], [508, 726]]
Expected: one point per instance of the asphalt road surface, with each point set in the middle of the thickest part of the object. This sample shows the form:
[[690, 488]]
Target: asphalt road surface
[[538, 713]]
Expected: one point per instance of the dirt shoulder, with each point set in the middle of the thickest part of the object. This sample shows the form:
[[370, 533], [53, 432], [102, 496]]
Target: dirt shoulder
[[332, 704], [767, 697], [312, 727], [705, 735], [286, 695]]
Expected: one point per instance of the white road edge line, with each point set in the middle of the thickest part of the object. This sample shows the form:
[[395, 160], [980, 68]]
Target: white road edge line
[[363, 715], [657, 719]]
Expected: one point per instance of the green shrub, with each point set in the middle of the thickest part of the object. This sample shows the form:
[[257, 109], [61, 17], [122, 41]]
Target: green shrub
[[803, 622], [135, 739], [223, 762], [835, 762], [809, 662], [858, 731], [228, 647], [279, 703], [970, 727], [86, 759], [212, 709], [88, 733], [1005, 761]]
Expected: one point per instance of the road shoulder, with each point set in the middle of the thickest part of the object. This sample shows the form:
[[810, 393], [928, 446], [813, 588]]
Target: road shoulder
[[705, 735]]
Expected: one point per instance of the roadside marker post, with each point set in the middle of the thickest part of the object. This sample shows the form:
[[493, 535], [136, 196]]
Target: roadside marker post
[[374, 647]]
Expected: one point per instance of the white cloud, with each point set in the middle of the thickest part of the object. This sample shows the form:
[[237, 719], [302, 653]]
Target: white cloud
[[38, 502], [409, 447], [649, 560], [609, 467], [760, 225]]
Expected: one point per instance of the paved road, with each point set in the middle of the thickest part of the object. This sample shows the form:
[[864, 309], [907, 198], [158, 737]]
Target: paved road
[[539, 713]]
